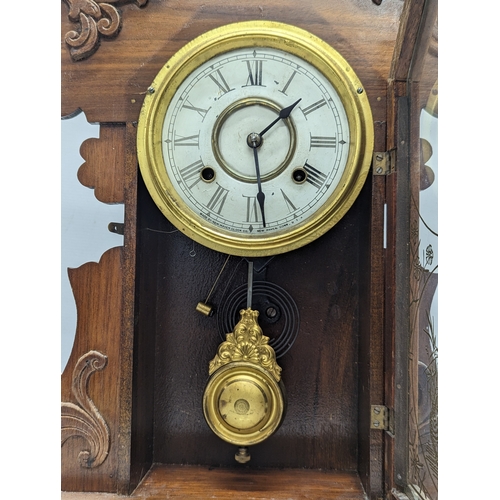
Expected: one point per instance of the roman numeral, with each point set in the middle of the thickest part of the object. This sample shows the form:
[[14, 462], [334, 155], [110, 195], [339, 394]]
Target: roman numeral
[[218, 199], [313, 107], [314, 176], [320, 141], [191, 140], [291, 207], [252, 209], [192, 173], [220, 81], [254, 73], [285, 88], [202, 112]]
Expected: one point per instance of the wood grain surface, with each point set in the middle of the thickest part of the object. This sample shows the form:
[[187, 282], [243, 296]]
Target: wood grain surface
[[98, 294], [103, 291], [200, 483], [110, 85], [104, 169]]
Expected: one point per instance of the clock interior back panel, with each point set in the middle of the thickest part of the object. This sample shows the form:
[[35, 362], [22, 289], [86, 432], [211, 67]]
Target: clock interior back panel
[[175, 343]]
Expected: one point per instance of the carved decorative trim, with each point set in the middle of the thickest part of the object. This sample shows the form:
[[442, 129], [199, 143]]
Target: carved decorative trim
[[84, 420], [96, 18], [247, 343]]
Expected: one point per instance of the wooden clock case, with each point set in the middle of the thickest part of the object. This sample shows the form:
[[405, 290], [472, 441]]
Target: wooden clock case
[[138, 368]]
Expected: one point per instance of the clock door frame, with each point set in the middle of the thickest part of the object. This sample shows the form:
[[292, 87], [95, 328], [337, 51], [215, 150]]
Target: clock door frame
[[412, 82]]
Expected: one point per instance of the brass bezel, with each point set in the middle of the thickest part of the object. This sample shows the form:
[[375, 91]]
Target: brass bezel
[[254, 34]]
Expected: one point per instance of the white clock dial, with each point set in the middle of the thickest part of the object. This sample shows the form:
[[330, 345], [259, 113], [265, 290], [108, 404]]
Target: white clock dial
[[301, 158], [255, 138]]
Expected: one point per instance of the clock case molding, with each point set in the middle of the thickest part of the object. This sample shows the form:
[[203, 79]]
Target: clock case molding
[[117, 419]]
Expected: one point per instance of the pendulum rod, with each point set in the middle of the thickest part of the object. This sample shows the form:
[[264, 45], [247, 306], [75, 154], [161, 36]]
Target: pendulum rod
[[250, 284]]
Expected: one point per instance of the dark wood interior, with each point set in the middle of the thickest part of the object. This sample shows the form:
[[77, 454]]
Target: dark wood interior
[[320, 371]]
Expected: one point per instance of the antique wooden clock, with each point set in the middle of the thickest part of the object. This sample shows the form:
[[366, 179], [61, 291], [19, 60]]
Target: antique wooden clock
[[248, 339]]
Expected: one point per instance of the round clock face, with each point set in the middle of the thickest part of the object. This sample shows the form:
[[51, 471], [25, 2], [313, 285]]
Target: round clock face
[[255, 138]]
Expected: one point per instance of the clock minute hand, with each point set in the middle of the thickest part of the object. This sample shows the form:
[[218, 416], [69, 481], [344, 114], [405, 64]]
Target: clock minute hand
[[260, 195], [284, 113]]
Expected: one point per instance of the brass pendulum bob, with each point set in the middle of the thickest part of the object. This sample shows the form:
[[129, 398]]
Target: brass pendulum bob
[[243, 402]]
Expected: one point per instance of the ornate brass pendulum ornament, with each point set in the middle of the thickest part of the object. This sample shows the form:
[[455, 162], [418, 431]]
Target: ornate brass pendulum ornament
[[244, 398]]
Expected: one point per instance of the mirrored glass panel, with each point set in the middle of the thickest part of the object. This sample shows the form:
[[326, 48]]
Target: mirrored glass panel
[[423, 353]]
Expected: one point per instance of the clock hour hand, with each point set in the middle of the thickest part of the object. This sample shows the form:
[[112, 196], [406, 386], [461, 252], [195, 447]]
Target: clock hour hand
[[284, 113], [254, 141]]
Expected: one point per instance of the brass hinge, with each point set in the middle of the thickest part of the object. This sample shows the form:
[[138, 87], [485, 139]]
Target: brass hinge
[[384, 162], [382, 418]]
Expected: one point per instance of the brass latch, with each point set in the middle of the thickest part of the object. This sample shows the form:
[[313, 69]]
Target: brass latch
[[381, 418], [384, 162], [116, 227]]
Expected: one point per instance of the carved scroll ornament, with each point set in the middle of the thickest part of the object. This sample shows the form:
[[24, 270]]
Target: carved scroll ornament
[[83, 419], [96, 18]]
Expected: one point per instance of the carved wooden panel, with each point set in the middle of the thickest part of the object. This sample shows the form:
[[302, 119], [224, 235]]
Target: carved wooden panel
[[103, 293], [98, 294], [111, 84]]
